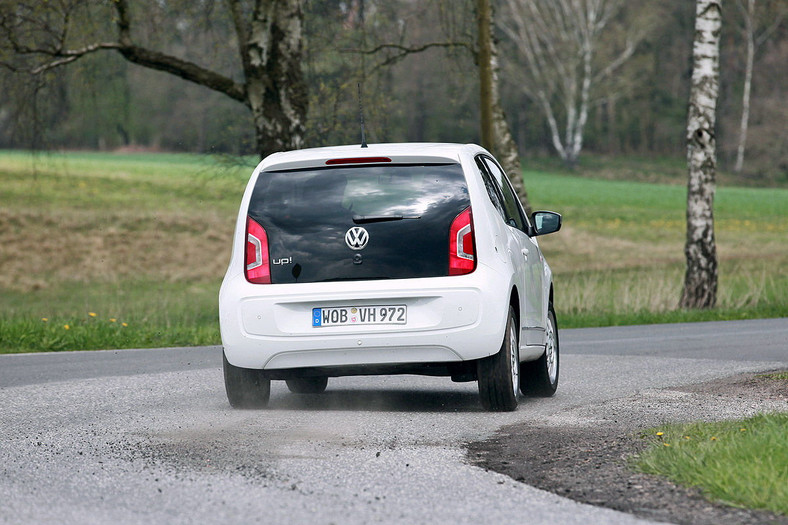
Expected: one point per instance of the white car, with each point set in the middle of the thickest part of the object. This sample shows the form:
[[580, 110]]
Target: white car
[[387, 259]]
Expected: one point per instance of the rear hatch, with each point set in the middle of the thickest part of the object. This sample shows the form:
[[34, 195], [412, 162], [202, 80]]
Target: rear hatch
[[346, 223]]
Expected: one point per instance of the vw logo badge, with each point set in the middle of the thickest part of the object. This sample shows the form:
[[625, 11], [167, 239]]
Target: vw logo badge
[[356, 238]]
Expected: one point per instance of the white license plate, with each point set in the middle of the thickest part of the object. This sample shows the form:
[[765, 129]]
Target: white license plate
[[359, 315]]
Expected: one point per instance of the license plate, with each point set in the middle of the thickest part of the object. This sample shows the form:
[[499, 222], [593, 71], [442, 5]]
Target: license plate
[[359, 315]]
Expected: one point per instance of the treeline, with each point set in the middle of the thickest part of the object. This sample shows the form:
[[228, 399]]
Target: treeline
[[415, 63]]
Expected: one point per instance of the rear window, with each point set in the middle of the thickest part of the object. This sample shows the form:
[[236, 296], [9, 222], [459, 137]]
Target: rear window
[[405, 211]]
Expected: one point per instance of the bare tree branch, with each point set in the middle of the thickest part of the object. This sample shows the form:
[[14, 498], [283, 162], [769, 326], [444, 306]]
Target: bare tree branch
[[404, 51], [184, 69], [558, 41], [35, 37], [619, 61], [70, 55], [767, 33], [241, 28]]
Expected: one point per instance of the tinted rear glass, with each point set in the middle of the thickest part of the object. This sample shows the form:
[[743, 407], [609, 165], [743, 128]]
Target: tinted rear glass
[[406, 211]]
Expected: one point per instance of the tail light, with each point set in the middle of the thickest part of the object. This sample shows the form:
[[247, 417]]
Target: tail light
[[462, 251], [258, 269]]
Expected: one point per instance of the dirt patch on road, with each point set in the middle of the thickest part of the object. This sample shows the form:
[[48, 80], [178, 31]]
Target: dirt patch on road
[[588, 462]]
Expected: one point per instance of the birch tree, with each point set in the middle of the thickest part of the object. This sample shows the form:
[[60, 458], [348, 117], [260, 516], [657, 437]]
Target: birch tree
[[700, 280], [748, 11], [557, 41], [40, 36], [753, 40]]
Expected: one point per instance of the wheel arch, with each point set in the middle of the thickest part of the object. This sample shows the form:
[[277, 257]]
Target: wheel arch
[[550, 298], [514, 302]]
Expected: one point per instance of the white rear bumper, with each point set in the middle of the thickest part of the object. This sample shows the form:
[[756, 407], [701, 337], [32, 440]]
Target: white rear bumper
[[449, 320]]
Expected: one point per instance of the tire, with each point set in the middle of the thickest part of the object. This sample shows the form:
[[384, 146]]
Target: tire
[[246, 388], [307, 385], [540, 378], [499, 374]]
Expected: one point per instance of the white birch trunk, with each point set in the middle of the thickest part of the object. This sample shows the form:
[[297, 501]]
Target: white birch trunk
[[275, 88], [585, 91], [700, 281], [554, 133], [557, 39], [745, 104]]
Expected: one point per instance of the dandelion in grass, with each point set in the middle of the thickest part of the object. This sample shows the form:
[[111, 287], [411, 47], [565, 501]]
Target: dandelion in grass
[[124, 325], [92, 314], [714, 438], [45, 319], [666, 444], [113, 320], [66, 327]]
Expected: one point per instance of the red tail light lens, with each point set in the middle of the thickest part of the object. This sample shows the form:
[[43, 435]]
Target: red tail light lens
[[462, 250], [257, 267]]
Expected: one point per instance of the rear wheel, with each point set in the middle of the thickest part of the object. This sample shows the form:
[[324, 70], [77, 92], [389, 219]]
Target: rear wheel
[[540, 377], [499, 374], [246, 388], [307, 385]]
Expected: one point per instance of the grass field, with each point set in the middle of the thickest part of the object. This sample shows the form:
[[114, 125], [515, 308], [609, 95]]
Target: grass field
[[739, 463], [619, 258], [142, 241]]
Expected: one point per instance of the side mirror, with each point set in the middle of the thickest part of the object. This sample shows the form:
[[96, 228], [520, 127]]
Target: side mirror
[[545, 222]]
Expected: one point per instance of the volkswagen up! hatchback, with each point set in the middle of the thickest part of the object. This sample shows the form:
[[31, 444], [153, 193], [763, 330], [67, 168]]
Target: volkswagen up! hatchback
[[388, 259]]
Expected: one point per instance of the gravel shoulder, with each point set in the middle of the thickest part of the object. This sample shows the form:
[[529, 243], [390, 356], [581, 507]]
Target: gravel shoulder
[[582, 454]]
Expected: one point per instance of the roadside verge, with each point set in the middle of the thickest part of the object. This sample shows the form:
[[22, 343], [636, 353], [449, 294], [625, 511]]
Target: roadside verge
[[583, 455]]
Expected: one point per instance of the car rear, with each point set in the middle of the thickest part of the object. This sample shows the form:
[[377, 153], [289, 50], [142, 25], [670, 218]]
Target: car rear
[[355, 261]]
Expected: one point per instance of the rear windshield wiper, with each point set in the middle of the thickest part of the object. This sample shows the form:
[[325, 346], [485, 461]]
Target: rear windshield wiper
[[366, 219]]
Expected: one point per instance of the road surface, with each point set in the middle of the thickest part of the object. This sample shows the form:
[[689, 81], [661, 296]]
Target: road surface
[[147, 436]]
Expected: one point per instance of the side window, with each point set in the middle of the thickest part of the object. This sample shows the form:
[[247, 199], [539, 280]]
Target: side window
[[492, 188], [514, 214]]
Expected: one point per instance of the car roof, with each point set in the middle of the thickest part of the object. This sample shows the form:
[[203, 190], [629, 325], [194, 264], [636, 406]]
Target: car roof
[[411, 152]]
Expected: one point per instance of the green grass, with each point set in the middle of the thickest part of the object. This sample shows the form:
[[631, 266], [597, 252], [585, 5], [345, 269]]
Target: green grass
[[133, 314], [739, 463], [142, 239], [104, 181], [776, 376], [619, 257], [748, 289], [145, 239]]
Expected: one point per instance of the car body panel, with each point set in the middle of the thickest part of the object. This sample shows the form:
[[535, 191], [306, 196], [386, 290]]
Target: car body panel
[[450, 318]]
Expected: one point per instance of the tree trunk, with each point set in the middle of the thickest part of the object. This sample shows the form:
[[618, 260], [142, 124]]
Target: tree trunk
[[275, 89], [496, 135], [745, 104], [503, 143], [580, 124], [484, 59], [270, 45], [700, 281], [612, 140]]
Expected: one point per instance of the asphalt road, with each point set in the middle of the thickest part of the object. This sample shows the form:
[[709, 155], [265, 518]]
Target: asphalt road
[[147, 436]]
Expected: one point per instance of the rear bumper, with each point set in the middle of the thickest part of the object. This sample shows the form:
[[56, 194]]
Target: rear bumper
[[450, 320]]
